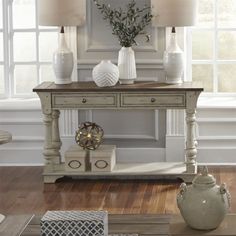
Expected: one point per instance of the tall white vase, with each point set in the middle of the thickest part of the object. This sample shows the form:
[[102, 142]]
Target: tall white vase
[[127, 66]]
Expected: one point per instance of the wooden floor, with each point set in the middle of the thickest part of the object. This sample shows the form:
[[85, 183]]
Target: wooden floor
[[22, 191]]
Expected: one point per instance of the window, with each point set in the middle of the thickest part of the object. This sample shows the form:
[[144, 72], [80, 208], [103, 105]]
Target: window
[[25, 49], [212, 51]]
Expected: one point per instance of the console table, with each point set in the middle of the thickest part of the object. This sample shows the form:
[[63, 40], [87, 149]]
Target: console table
[[141, 95]]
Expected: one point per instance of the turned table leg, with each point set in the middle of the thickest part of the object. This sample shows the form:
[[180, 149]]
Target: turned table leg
[[56, 141], [48, 148], [191, 149], [52, 144], [52, 140], [191, 142]]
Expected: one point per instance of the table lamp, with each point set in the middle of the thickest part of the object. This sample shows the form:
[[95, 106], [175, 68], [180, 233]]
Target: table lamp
[[62, 13], [174, 13]]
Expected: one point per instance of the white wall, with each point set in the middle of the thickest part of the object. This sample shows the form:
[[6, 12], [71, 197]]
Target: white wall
[[217, 134], [141, 136]]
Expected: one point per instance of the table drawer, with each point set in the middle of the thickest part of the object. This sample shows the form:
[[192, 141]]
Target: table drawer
[[84, 100], [153, 100]]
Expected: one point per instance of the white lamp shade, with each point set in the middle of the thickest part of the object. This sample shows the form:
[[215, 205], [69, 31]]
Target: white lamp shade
[[174, 13], [61, 12]]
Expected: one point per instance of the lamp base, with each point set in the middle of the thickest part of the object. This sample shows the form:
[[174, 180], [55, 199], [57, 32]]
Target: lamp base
[[63, 66], [63, 81], [174, 80], [63, 62], [173, 62]]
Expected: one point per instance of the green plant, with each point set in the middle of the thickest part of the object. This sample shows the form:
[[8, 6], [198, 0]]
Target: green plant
[[126, 24]]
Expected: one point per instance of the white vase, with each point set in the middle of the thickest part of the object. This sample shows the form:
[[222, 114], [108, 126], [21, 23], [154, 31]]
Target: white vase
[[105, 74], [127, 66], [63, 62]]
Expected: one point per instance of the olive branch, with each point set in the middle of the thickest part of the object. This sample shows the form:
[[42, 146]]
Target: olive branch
[[126, 24]]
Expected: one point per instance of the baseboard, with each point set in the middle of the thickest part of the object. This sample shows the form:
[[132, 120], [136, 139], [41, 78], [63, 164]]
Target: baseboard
[[21, 164], [216, 155], [217, 164]]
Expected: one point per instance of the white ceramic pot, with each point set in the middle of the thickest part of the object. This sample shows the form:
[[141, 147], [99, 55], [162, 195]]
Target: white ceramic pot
[[203, 204], [127, 66], [105, 74]]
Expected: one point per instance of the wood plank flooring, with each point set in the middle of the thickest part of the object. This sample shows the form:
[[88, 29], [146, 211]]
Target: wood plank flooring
[[22, 192]]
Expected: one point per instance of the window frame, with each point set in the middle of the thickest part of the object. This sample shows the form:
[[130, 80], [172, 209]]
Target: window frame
[[9, 63], [214, 61], [5, 46]]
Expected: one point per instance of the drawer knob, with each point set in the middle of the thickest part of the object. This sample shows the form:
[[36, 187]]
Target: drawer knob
[[153, 100], [84, 100]]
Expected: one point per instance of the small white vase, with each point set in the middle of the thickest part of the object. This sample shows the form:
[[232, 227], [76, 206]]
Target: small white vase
[[127, 66], [105, 74]]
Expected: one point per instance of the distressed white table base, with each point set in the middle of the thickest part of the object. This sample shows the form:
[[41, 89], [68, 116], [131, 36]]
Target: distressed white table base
[[141, 95]]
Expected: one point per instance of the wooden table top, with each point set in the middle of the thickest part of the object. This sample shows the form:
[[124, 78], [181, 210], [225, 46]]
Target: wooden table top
[[147, 86], [143, 225]]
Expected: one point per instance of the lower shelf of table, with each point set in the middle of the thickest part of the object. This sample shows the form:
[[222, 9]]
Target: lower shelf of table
[[154, 170]]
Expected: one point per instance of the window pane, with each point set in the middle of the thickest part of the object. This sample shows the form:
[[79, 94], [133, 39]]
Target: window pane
[[227, 13], [203, 74], [202, 44], [24, 47], [226, 77], [1, 47], [48, 43], [46, 73], [1, 15], [25, 78], [227, 45], [24, 14], [205, 13], [1, 80]]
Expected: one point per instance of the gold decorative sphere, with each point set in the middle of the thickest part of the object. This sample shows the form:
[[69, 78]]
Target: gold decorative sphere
[[89, 136]]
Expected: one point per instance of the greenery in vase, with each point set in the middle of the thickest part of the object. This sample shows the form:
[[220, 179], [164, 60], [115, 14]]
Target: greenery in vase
[[126, 24]]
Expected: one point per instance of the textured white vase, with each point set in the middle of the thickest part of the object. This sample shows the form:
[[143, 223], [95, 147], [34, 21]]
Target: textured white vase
[[127, 66], [63, 62], [105, 74]]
